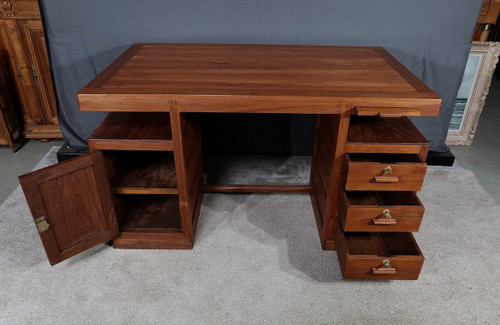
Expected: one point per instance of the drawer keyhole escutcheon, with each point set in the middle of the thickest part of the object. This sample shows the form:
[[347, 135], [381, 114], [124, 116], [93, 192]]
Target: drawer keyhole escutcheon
[[387, 213], [387, 264], [388, 170]]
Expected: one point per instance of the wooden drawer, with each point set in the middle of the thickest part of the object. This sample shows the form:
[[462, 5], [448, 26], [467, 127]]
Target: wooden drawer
[[383, 172], [380, 211], [362, 255], [387, 111]]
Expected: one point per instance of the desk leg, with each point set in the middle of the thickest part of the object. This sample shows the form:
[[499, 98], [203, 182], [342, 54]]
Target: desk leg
[[326, 171], [186, 136]]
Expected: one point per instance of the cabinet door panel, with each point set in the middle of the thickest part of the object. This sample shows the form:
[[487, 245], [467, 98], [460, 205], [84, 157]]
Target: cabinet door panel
[[40, 72], [12, 42], [71, 205]]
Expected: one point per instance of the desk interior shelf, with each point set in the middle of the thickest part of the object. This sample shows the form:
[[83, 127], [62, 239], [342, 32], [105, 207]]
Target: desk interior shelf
[[373, 134], [133, 131], [142, 172], [148, 213]]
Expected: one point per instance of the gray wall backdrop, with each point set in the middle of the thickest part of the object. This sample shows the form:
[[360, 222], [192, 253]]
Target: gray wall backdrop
[[430, 37]]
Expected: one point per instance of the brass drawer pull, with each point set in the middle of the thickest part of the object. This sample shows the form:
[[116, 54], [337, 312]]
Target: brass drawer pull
[[388, 220], [386, 269], [381, 221], [386, 179], [382, 114]]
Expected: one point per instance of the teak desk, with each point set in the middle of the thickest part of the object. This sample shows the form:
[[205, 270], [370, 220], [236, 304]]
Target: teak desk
[[142, 183]]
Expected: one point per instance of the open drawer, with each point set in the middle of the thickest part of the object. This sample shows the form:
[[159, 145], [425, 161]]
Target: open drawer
[[383, 172], [380, 211], [378, 256]]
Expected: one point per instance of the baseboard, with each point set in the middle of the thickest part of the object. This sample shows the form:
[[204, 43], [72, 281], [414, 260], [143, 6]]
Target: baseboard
[[435, 158]]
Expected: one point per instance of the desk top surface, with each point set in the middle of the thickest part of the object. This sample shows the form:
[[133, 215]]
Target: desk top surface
[[221, 75]]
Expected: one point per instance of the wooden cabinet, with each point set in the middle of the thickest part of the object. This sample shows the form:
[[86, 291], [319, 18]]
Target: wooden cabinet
[[488, 17], [378, 206], [143, 181], [133, 188], [11, 130], [22, 38]]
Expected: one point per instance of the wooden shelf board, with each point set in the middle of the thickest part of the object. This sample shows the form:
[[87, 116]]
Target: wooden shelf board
[[133, 131], [138, 190], [238, 188], [146, 170], [149, 213], [373, 134]]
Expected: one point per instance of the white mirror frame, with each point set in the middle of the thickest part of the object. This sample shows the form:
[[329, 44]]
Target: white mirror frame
[[480, 87]]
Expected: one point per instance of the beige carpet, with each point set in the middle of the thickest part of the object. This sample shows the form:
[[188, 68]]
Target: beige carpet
[[257, 260]]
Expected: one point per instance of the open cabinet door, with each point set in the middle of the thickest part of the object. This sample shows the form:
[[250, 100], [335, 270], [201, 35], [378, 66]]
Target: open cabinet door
[[72, 206]]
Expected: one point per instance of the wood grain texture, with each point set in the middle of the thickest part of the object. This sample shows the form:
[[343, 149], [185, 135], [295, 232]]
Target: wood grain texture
[[361, 170], [186, 136], [133, 131], [40, 72], [358, 209], [326, 172], [20, 9], [359, 253], [149, 171], [384, 135], [149, 213], [11, 130], [75, 199], [235, 188], [23, 40], [152, 240], [249, 78]]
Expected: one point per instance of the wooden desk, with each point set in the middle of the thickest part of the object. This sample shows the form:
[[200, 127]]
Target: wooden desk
[[368, 157]]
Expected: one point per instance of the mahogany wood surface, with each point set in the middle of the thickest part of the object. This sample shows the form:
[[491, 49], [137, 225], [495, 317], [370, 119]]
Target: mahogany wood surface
[[75, 199], [236, 188], [133, 131], [143, 213], [186, 136], [365, 172], [146, 170], [369, 134], [152, 240], [326, 172], [359, 253], [23, 40], [256, 78], [386, 111], [363, 211]]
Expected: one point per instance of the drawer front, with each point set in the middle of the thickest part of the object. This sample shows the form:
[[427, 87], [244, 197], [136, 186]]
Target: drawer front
[[372, 176], [373, 268], [387, 111], [383, 218], [356, 264]]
